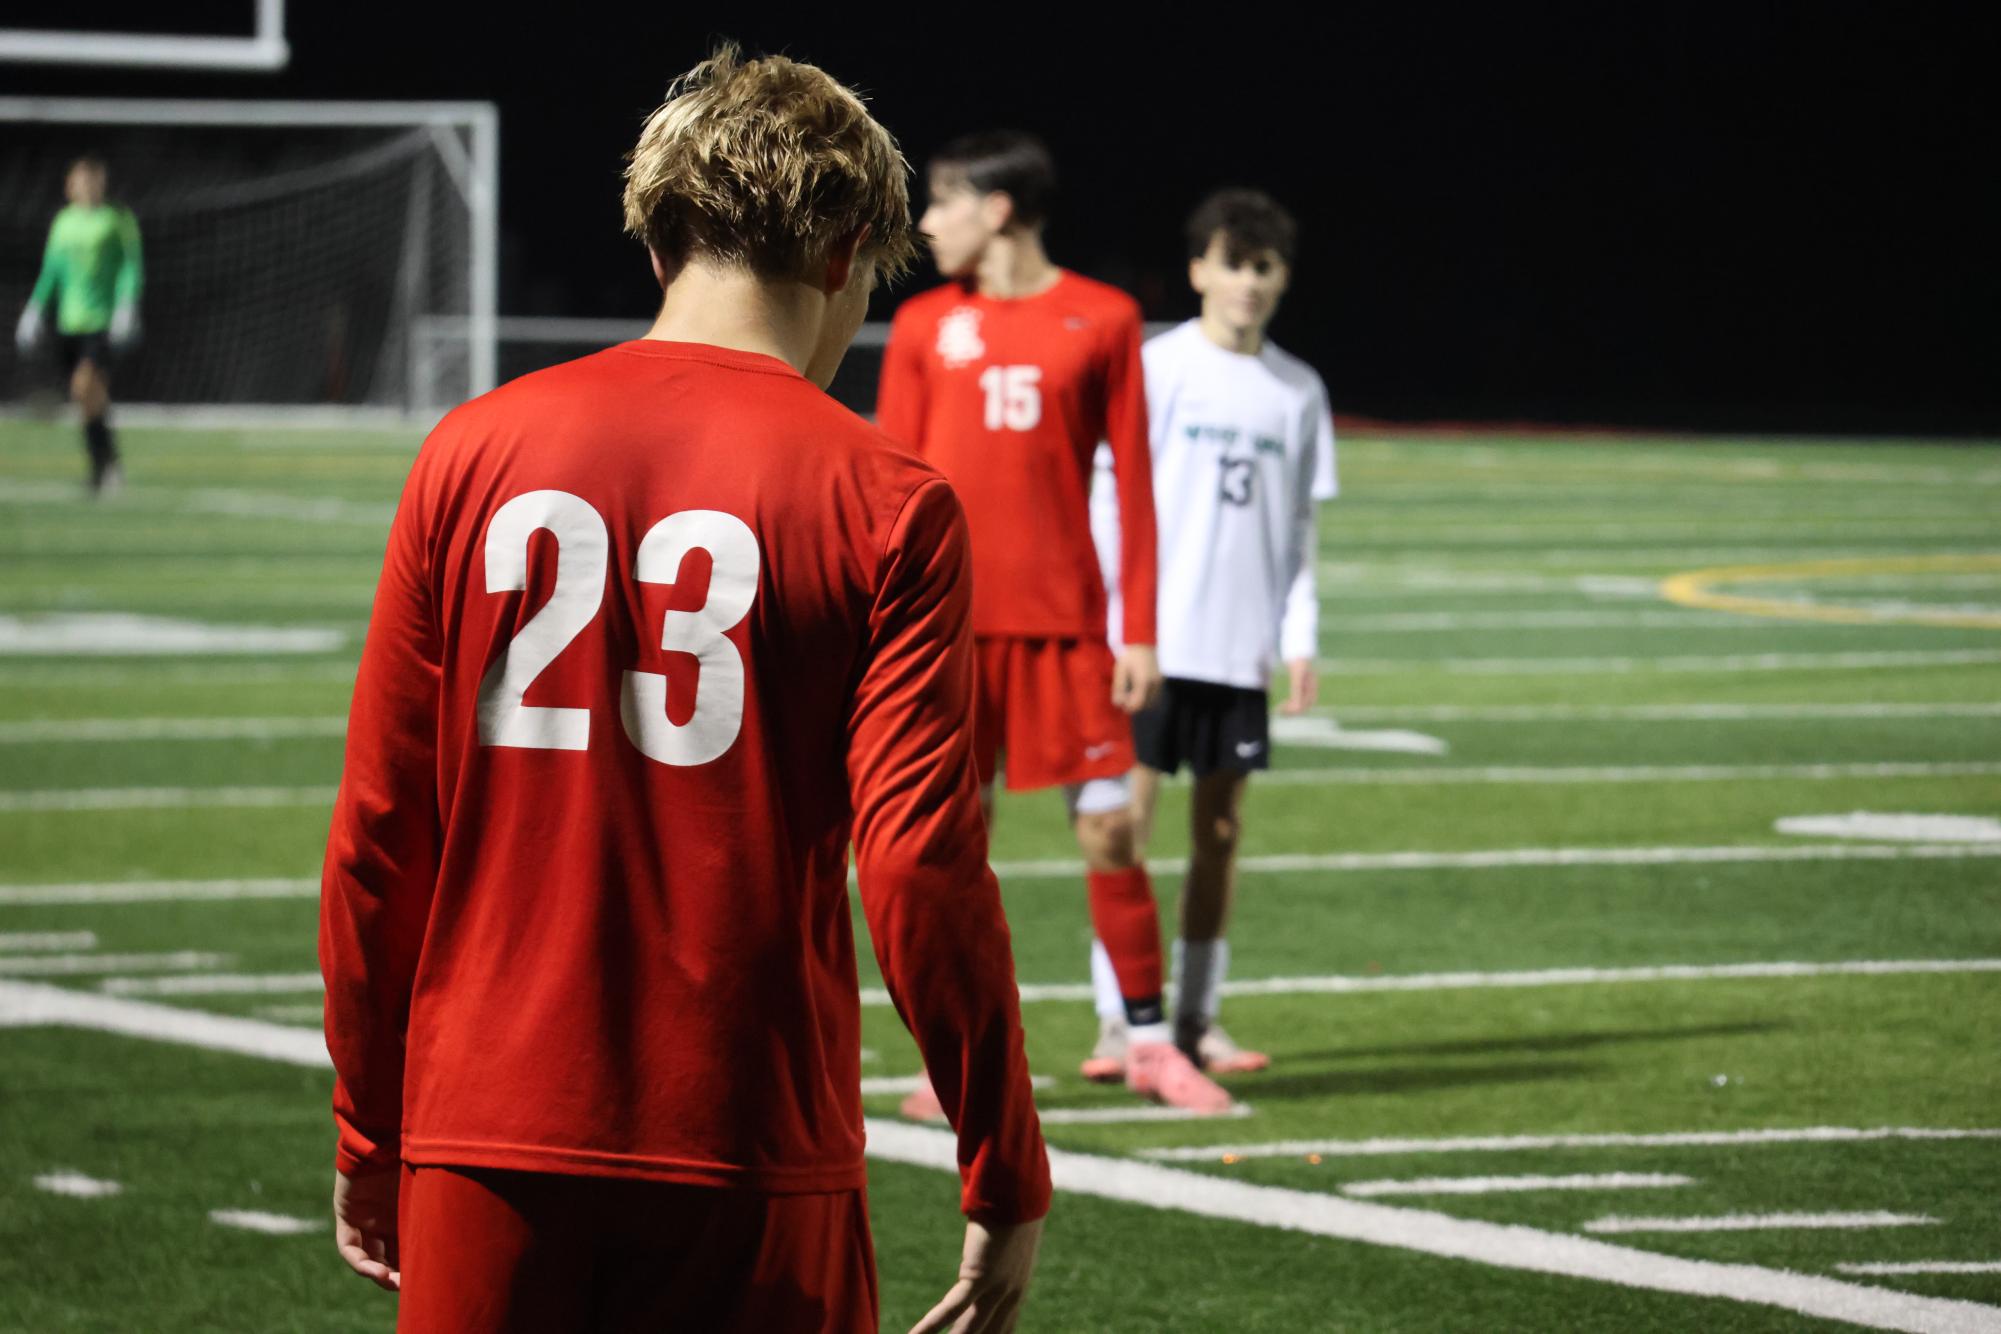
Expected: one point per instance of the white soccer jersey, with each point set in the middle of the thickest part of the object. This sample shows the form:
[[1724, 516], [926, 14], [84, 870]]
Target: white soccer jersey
[[1243, 447]]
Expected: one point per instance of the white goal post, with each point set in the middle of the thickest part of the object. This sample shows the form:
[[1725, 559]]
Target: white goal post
[[262, 50], [341, 227]]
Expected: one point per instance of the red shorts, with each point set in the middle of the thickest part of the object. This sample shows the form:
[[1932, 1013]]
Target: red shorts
[[485, 1250], [1047, 704]]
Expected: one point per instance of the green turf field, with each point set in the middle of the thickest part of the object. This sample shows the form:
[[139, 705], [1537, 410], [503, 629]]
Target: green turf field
[[1558, 931]]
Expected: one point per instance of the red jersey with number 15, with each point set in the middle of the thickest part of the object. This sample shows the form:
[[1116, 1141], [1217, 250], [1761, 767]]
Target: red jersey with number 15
[[659, 633], [1009, 399]]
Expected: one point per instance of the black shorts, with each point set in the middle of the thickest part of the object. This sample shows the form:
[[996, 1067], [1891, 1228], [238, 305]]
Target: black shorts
[[1206, 726], [75, 349]]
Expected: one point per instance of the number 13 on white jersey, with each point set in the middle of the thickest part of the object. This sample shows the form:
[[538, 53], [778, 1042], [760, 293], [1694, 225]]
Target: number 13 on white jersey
[[582, 558]]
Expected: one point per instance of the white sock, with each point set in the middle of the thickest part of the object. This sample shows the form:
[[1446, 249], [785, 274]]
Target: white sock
[[1200, 966], [1161, 1032], [1105, 983]]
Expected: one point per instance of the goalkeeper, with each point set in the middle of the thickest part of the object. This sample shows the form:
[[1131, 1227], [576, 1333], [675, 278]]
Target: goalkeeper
[[91, 267]]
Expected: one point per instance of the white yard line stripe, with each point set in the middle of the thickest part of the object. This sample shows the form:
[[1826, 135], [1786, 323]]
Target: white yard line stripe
[[256, 1220], [78, 965], [1168, 1188], [156, 891], [77, 1185], [1503, 1185], [1109, 1116], [1685, 1139], [292, 1014], [25, 942], [1500, 1245], [160, 798], [1744, 662], [214, 984], [32, 1004], [1492, 858], [173, 891], [1340, 985], [881, 1085], [1429, 622], [1616, 1224], [169, 729], [1651, 713], [1523, 775], [1925, 1267]]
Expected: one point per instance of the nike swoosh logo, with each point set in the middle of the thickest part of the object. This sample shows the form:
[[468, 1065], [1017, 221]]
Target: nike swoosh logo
[[1098, 751], [1246, 749]]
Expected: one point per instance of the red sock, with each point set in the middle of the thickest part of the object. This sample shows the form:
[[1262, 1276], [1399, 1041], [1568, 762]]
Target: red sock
[[1126, 918]]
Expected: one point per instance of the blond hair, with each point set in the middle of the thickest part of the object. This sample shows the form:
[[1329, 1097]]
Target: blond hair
[[764, 164]]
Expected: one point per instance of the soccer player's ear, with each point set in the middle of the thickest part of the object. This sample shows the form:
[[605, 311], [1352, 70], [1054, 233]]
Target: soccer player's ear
[[843, 257], [996, 210]]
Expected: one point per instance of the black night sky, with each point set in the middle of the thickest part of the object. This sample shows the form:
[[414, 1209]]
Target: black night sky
[[1752, 216]]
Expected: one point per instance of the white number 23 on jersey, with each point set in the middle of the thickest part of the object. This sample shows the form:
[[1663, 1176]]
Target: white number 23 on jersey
[[582, 556]]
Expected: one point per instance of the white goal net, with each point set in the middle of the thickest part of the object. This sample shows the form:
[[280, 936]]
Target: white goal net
[[292, 251]]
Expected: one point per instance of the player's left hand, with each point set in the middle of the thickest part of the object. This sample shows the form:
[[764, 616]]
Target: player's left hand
[[1304, 685], [364, 1208], [1136, 678], [125, 326]]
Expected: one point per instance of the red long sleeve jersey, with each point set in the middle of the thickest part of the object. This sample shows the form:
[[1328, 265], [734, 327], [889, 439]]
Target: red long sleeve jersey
[[1009, 399], [658, 633]]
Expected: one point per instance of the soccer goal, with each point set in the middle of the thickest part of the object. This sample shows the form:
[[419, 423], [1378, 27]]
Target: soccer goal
[[293, 251]]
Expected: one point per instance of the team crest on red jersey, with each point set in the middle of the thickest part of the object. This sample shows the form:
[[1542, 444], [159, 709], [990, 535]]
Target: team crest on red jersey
[[959, 341]]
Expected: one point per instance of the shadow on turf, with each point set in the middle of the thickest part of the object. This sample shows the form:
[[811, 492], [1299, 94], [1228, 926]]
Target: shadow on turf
[[1546, 1042]]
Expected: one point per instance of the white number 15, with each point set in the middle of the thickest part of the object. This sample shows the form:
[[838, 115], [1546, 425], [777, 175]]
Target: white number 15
[[582, 556]]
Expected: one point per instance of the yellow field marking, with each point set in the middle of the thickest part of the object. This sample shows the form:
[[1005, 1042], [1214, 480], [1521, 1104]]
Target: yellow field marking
[[1697, 588]]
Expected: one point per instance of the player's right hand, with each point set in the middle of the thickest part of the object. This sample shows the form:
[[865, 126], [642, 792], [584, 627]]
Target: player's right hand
[[364, 1209], [29, 331], [993, 1280], [125, 326]]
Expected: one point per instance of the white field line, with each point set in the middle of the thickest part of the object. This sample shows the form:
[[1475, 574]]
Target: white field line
[[215, 984], [1683, 1139], [1615, 1223], [27, 942], [125, 634], [1369, 1190], [1493, 858], [1429, 622], [1881, 826], [1523, 775], [176, 891], [170, 729], [1167, 1188], [159, 798], [1739, 662], [1108, 1116], [76, 1185], [256, 1220], [1340, 985], [281, 984], [1424, 1231], [155, 674], [1653, 713], [78, 965], [156, 891], [1925, 1267], [32, 1005], [880, 1085], [292, 1014]]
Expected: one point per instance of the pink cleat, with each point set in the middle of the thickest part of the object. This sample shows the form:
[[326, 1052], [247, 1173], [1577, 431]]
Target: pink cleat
[[1158, 1070], [922, 1104], [1220, 1056]]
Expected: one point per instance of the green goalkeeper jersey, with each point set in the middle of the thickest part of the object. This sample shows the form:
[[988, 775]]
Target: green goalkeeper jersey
[[91, 265]]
